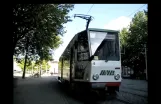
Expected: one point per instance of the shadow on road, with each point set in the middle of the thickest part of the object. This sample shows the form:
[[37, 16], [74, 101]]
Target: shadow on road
[[48, 90], [82, 97]]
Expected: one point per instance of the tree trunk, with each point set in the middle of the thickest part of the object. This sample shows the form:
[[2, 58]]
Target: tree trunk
[[24, 71]]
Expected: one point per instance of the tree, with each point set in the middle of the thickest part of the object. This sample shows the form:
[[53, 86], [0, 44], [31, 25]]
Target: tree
[[36, 29], [45, 65], [134, 40], [37, 21], [123, 36], [123, 39], [21, 64]]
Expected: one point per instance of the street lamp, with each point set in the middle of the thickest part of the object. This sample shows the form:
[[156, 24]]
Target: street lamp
[[145, 53]]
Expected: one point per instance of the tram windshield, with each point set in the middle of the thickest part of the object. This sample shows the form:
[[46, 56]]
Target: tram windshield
[[105, 46]]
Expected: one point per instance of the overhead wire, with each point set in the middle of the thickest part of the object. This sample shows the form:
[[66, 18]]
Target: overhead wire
[[136, 10], [90, 8], [128, 15]]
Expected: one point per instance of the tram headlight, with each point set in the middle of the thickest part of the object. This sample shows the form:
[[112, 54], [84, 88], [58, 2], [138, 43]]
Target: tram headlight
[[117, 76], [95, 76]]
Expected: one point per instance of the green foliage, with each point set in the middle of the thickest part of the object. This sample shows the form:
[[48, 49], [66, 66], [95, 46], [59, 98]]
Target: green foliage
[[45, 65], [36, 29], [133, 40], [21, 64], [35, 65], [123, 36], [41, 24]]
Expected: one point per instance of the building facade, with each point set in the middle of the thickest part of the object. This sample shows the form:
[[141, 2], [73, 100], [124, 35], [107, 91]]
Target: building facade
[[53, 67]]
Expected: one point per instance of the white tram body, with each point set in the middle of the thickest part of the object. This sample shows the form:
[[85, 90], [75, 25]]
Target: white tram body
[[92, 60]]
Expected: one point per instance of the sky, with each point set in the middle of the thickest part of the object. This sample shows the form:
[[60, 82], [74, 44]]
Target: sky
[[106, 16]]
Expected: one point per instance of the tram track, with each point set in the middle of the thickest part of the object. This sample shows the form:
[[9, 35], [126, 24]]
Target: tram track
[[134, 89], [131, 97], [123, 101], [133, 93], [119, 98]]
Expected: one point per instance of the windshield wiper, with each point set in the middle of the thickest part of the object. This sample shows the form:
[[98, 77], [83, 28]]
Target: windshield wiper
[[98, 47], [92, 56], [106, 59]]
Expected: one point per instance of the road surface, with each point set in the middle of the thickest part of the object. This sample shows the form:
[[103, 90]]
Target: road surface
[[46, 90]]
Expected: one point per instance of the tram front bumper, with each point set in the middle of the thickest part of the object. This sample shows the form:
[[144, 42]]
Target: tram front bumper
[[104, 85]]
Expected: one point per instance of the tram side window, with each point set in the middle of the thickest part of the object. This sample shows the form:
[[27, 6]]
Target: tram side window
[[66, 66], [83, 50]]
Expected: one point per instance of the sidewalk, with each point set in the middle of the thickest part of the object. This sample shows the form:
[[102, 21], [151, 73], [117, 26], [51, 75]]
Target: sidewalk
[[37, 91]]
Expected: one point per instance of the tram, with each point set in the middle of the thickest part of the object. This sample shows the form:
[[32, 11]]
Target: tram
[[92, 61]]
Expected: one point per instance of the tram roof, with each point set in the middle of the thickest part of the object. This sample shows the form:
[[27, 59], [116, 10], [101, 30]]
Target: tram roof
[[102, 30]]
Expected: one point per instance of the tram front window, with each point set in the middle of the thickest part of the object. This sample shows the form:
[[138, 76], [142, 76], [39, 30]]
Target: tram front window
[[105, 46]]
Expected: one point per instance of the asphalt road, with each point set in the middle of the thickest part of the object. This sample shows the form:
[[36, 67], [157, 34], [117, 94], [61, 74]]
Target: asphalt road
[[46, 90], [134, 91]]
